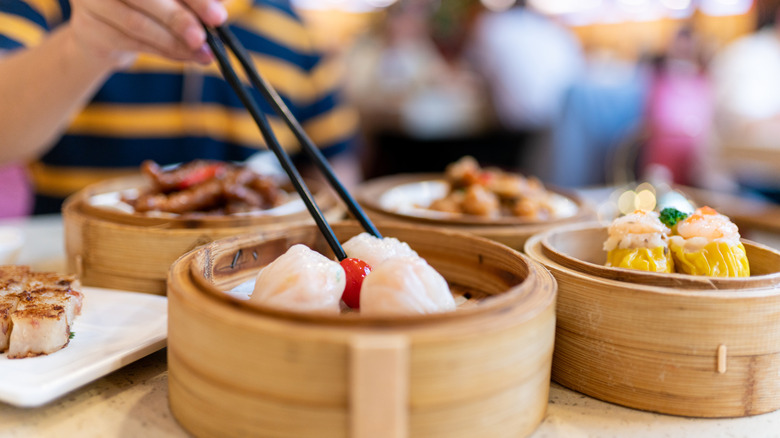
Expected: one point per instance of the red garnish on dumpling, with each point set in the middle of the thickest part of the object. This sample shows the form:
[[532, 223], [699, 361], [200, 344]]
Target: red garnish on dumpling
[[355, 270]]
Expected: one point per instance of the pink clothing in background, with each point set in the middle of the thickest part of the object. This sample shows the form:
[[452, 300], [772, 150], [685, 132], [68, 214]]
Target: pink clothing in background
[[16, 198], [679, 115]]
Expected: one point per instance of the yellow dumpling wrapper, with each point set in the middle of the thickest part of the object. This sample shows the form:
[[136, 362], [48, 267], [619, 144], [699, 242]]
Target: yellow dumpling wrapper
[[644, 259], [715, 259]]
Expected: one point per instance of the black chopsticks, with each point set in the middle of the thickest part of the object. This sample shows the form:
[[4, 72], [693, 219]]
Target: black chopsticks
[[283, 111], [273, 144]]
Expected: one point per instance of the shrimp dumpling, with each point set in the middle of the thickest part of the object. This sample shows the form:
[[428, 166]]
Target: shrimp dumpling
[[708, 243], [300, 280], [374, 250], [639, 240], [405, 286]]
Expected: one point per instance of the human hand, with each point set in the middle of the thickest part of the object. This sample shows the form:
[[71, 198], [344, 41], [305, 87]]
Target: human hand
[[117, 30]]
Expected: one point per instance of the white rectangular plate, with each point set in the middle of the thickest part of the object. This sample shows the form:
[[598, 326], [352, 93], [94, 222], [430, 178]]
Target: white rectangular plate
[[114, 329]]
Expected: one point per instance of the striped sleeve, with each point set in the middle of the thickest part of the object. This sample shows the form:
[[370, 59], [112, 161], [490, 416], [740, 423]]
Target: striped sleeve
[[308, 81], [24, 23]]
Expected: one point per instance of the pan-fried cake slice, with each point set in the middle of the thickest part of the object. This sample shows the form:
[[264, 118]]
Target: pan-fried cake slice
[[41, 323], [37, 310]]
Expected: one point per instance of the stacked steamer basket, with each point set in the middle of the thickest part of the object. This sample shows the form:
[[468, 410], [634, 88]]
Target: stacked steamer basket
[[482, 370], [668, 343], [403, 197], [131, 251]]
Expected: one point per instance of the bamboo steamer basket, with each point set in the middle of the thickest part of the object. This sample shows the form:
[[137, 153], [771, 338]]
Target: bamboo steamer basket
[[483, 370], [133, 251], [511, 231], [674, 344]]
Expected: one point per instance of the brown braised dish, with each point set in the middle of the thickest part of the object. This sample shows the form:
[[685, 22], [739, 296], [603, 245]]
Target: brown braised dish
[[206, 186], [493, 192]]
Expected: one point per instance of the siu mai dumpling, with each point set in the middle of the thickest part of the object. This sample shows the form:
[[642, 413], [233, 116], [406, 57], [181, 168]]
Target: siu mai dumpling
[[374, 250], [300, 280], [405, 286], [708, 243], [639, 241]]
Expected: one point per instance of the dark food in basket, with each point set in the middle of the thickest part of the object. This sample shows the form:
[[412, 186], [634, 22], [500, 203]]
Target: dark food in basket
[[37, 310], [206, 186], [492, 192]]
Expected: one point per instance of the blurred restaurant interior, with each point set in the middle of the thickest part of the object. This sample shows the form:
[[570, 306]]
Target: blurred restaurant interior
[[583, 93]]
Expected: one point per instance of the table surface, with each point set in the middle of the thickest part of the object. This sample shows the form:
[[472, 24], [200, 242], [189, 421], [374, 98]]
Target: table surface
[[133, 401]]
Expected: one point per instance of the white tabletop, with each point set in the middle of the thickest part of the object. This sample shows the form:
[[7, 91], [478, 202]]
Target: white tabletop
[[133, 401]]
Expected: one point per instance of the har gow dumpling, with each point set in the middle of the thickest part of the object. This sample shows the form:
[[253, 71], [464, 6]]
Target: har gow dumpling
[[404, 286], [301, 280], [374, 250]]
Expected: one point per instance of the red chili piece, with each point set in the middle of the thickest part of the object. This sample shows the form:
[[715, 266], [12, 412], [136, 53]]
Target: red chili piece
[[355, 270], [200, 174]]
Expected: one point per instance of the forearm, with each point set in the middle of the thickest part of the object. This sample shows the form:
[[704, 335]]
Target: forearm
[[42, 89]]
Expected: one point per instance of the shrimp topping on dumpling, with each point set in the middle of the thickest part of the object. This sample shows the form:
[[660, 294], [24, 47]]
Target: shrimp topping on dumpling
[[703, 226], [300, 280], [405, 286]]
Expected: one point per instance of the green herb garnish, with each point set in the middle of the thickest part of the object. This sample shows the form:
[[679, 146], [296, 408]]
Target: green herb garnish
[[72, 334], [670, 216]]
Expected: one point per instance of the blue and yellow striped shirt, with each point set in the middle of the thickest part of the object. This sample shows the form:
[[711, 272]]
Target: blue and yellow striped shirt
[[173, 112]]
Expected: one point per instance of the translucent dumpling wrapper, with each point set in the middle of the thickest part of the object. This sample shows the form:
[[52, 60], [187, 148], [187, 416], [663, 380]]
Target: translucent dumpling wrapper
[[374, 250], [300, 280], [639, 241], [405, 286], [708, 244], [656, 259]]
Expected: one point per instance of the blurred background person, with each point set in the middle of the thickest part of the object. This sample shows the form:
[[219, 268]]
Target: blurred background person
[[91, 88], [529, 63], [679, 111], [422, 104], [601, 114]]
